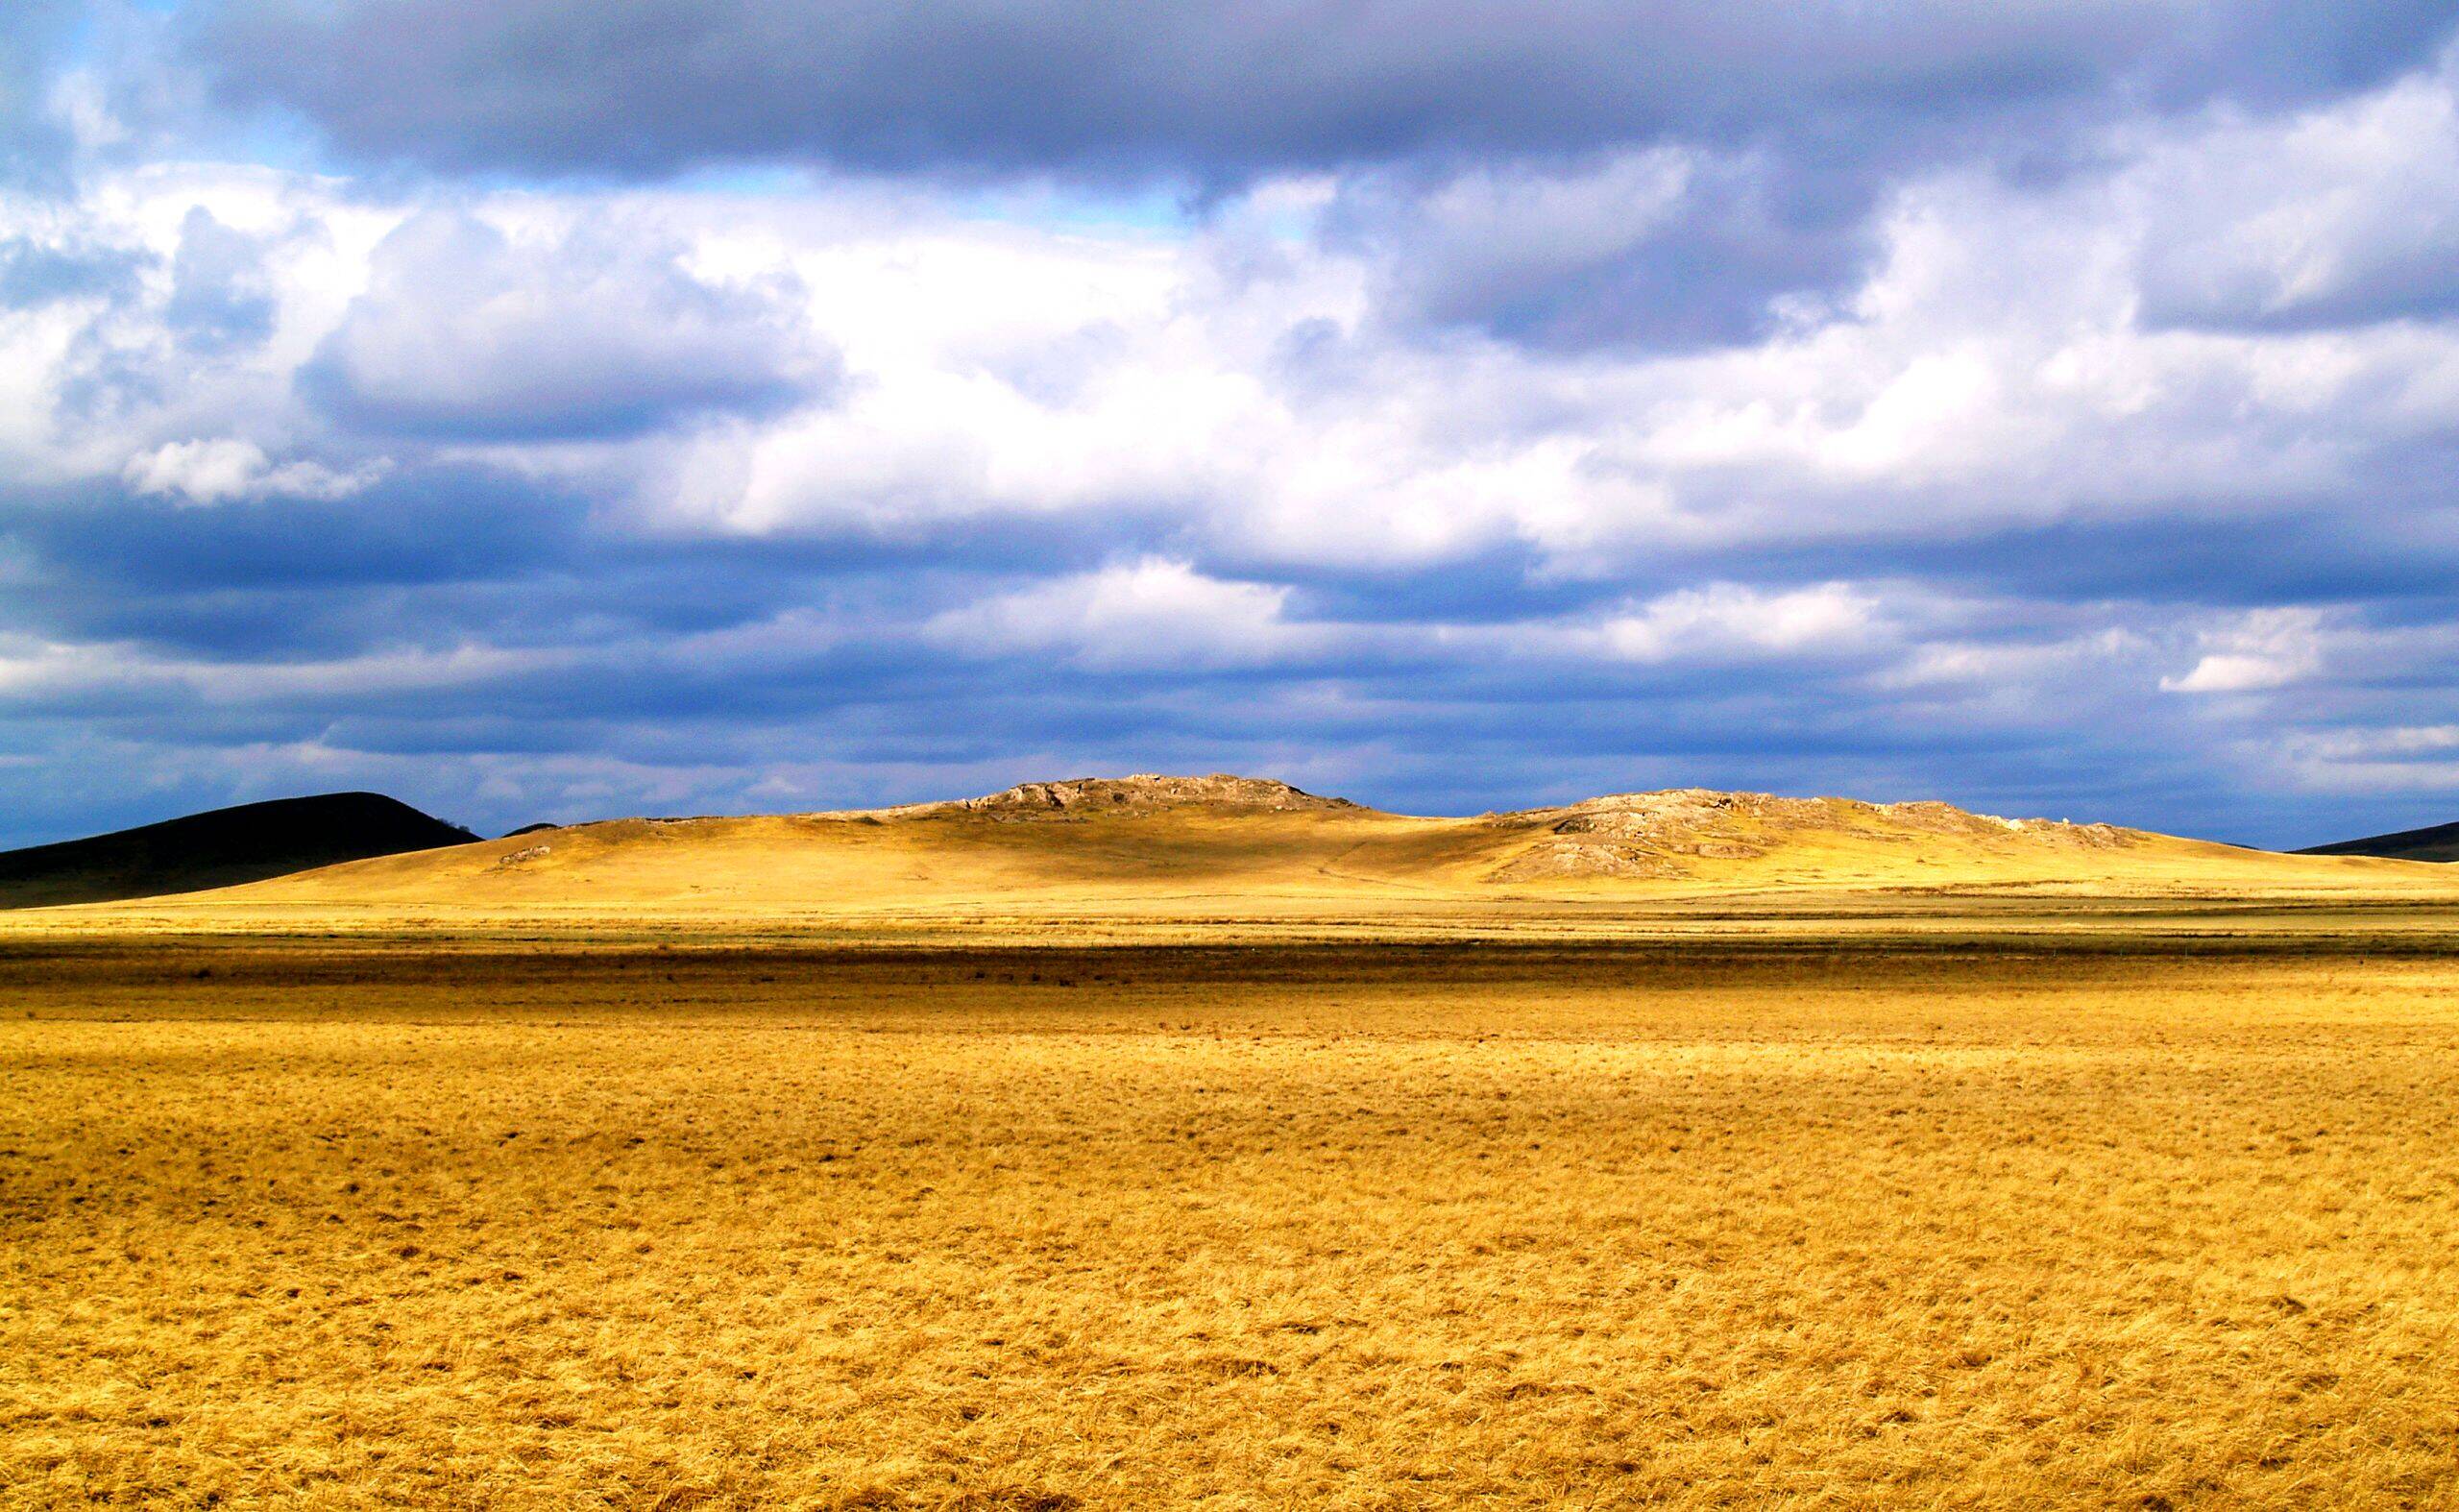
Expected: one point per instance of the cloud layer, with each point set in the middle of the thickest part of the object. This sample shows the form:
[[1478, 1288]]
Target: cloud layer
[[2048, 406], [1227, 89]]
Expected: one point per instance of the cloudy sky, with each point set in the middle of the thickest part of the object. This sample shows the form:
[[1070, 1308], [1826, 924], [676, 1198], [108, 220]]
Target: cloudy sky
[[558, 408]]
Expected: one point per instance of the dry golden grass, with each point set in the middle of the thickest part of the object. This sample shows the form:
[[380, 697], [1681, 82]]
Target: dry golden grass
[[2097, 1216], [1163, 861]]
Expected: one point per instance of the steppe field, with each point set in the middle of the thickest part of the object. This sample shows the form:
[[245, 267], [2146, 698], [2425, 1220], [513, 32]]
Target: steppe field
[[2046, 1205]]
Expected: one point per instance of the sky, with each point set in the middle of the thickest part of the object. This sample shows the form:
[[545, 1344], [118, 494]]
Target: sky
[[554, 409]]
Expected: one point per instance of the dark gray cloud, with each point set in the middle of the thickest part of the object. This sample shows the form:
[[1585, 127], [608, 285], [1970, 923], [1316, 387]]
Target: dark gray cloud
[[485, 649], [1225, 89], [1664, 250], [1801, 115], [1805, 111], [435, 524], [462, 334]]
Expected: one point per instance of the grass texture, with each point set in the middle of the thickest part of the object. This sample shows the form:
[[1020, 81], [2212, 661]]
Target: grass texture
[[2121, 1220]]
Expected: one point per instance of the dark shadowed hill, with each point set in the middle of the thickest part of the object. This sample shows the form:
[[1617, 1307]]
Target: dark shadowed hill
[[220, 848], [2437, 843]]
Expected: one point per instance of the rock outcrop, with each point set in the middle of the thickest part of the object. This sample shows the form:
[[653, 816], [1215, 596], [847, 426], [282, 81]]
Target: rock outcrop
[[1661, 834], [1144, 793]]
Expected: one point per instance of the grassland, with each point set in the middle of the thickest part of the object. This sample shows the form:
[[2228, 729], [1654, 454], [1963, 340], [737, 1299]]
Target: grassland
[[2150, 1208], [1196, 858]]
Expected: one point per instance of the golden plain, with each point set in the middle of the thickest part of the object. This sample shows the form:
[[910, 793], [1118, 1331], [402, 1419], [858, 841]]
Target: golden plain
[[2013, 1208]]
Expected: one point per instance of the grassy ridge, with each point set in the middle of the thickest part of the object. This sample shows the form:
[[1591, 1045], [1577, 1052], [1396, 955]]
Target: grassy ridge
[[1184, 866]]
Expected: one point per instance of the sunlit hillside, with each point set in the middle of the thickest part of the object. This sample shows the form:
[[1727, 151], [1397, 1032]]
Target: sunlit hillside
[[1228, 848]]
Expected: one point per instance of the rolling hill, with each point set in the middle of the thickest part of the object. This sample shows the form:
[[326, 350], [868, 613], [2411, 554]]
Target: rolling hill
[[219, 849], [2436, 843], [1225, 847]]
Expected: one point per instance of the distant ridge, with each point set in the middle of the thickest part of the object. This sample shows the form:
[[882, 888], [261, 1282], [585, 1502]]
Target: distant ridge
[[220, 848], [1202, 849], [2435, 843]]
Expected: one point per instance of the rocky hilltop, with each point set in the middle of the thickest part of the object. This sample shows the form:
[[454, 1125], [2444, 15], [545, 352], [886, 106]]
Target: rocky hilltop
[[1663, 834], [1141, 792]]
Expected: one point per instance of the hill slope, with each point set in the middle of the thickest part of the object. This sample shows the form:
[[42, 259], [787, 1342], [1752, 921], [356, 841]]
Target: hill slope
[[1223, 847], [2435, 843], [219, 849]]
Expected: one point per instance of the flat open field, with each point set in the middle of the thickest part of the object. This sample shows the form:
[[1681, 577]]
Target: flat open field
[[2116, 1218]]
